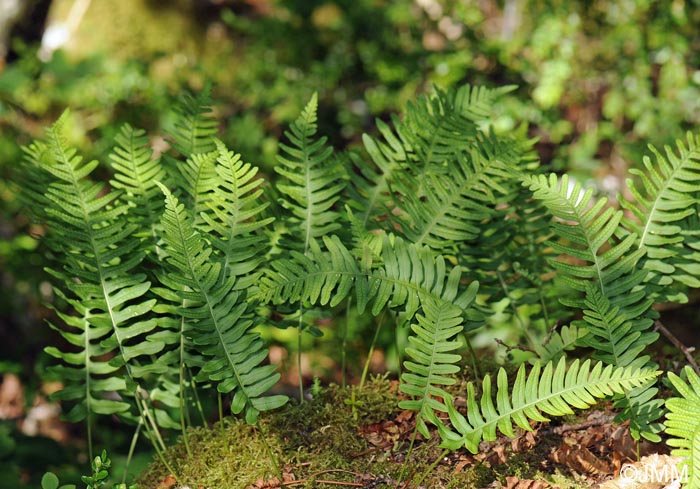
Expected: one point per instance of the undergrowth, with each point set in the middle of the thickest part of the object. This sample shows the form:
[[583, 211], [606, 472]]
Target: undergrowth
[[170, 272]]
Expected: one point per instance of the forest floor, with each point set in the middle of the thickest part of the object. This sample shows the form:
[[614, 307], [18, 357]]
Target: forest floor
[[351, 437]]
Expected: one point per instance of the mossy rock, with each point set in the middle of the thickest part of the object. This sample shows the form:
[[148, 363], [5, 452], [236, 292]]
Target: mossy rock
[[323, 439]]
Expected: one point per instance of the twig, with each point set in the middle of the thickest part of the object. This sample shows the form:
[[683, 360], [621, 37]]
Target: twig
[[517, 347], [658, 326], [312, 478]]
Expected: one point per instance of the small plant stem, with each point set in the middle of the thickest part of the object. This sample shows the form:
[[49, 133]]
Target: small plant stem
[[220, 401], [545, 312], [299, 338], [431, 468], [365, 370], [472, 357], [410, 450], [344, 345], [658, 326], [183, 411], [268, 448], [88, 423], [197, 402], [149, 423], [132, 448]]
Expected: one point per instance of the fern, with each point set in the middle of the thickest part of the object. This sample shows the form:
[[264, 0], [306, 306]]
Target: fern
[[195, 125], [233, 217], [431, 365], [668, 195], [136, 172], [408, 273], [99, 279], [311, 181], [683, 423], [220, 320], [616, 310], [550, 390]]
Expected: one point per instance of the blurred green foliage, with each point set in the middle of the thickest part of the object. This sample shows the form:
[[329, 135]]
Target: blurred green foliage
[[598, 81]]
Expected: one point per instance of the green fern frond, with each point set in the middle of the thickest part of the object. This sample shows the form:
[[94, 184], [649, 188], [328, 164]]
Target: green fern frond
[[99, 279], [616, 311], [135, 174], [431, 363], [219, 317], [587, 231], [667, 196], [565, 339], [311, 180], [195, 126], [233, 217], [683, 423], [407, 273], [618, 335], [435, 130], [551, 390]]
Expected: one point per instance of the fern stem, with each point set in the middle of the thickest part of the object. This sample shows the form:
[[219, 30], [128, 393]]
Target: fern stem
[[197, 401], [184, 412], [268, 449], [88, 423], [410, 450], [299, 338], [149, 423], [344, 345], [472, 357], [431, 468], [220, 402], [132, 448], [365, 370]]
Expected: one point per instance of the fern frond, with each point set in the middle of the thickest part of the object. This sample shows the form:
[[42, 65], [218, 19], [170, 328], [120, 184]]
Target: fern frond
[[219, 317], [98, 279], [683, 423], [436, 129], [234, 219], [616, 311], [566, 338], [408, 273], [135, 174], [431, 363], [311, 180], [587, 231], [551, 390], [667, 196], [195, 126]]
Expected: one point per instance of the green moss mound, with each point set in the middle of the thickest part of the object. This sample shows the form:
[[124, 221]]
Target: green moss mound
[[341, 436]]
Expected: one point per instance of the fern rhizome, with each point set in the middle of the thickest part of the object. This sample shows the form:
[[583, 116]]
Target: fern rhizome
[[170, 269]]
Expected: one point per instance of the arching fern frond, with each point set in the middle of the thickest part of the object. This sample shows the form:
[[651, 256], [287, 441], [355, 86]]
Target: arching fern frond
[[435, 130], [431, 364], [667, 196], [407, 273], [616, 311], [551, 390], [220, 319], [233, 217], [311, 181], [683, 423], [99, 279], [586, 230]]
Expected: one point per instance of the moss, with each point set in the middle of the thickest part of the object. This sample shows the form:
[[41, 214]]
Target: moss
[[320, 440]]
